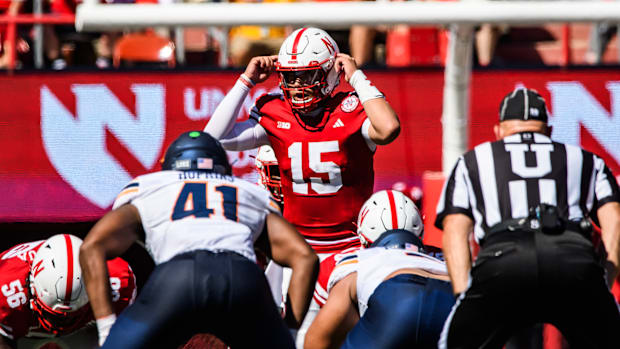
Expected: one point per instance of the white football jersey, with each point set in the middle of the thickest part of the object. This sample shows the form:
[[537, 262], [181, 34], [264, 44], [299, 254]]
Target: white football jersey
[[374, 264], [184, 211]]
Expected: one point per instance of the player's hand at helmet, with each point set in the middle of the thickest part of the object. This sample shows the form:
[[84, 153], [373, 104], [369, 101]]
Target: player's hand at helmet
[[260, 68], [345, 63]]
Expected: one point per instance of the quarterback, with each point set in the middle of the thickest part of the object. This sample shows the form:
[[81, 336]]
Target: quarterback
[[324, 141]]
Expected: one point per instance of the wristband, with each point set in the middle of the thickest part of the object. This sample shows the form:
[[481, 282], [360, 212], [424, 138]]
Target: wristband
[[104, 325], [365, 90], [246, 81]]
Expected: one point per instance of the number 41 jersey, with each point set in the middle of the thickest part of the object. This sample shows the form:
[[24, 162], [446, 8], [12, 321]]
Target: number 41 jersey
[[183, 211], [326, 171]]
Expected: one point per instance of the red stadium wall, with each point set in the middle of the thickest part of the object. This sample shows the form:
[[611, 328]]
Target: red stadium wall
[[71, 141]]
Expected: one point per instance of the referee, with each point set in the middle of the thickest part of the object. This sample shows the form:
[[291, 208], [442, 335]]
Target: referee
[[529, 202]]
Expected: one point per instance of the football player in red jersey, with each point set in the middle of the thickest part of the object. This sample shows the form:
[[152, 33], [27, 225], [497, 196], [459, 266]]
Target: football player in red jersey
[[324, 141], [44, 300]]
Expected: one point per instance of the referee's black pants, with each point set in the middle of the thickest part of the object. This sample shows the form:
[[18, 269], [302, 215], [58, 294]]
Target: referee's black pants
[[521, 278]]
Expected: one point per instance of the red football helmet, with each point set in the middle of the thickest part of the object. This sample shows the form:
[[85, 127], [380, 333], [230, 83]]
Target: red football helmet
[[306, 66], [269, 172], [59, 297]]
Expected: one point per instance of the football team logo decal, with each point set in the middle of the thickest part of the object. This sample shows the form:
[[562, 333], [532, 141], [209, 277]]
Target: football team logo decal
[[349, 104]]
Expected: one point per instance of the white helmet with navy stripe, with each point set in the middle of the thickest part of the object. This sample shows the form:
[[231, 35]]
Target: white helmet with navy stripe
[[59, 296], [388, 210]]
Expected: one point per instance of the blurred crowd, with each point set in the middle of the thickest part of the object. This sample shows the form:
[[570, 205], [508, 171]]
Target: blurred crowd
[[393, 46]]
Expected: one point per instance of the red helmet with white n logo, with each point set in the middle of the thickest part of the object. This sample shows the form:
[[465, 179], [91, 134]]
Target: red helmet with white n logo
[[59, 297], [387, 210], [306, 66]]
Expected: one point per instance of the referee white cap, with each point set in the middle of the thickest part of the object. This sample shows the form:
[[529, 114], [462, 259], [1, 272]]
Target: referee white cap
[[523, 104]]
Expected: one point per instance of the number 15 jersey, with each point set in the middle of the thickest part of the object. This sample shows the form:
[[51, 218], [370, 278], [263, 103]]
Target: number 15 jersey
[[326, 172], [184, 211]]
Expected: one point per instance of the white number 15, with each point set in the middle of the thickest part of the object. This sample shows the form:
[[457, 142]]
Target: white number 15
[[315, 150]]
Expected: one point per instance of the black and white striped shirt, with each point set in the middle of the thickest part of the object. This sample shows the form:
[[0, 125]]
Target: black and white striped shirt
[[501, 180]]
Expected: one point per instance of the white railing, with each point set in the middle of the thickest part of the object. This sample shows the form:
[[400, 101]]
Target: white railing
[[342, 14], [461, 15]]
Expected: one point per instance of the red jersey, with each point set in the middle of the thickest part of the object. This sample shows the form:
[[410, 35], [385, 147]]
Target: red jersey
[[325, 271], [327, 172], [16, 316]]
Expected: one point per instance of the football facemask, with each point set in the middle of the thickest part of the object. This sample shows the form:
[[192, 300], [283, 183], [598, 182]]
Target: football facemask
[[59, 321], [269, 172], [302, 88]]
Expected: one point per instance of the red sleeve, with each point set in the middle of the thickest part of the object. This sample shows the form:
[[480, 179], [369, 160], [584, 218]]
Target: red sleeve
[[326, 268], [123, 284], [320, 291]]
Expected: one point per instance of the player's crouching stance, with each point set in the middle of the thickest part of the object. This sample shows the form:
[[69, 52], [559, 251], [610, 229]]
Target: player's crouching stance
[[43, 297], [389, 294], [200, 225]]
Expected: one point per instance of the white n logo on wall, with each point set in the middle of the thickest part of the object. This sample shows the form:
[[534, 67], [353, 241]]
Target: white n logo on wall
[[76, 145], [574, 106]]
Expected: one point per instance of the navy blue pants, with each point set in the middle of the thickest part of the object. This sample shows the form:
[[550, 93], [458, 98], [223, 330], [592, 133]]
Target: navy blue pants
[[220, 293], [406, 311]]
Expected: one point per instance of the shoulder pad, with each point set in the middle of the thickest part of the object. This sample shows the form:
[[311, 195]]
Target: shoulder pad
[[128, 193], [266, 98], [345, 265], [25, 251], [256, 110]]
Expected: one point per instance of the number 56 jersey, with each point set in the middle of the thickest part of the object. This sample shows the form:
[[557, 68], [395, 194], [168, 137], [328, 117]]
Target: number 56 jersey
[[326, 171], [183, 211], [18, 320]]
